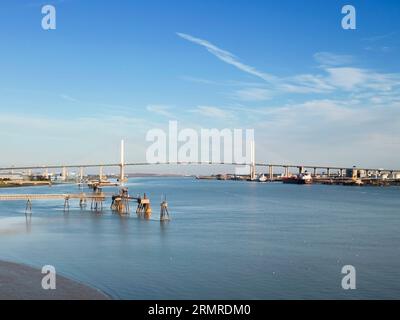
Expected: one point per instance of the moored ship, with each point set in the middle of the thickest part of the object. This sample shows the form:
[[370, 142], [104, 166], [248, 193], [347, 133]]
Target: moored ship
[[262, 178], [303, 178]]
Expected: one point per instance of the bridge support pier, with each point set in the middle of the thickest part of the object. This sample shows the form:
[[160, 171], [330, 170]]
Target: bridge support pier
[[271, 173], [286, 172]]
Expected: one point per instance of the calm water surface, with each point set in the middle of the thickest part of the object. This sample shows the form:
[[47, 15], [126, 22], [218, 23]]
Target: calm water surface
[[226, 240]]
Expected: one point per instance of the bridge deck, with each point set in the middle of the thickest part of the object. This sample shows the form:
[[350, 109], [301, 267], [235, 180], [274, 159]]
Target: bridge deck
[[189, 163]]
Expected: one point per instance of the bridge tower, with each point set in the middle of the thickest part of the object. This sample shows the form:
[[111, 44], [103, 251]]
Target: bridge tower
[[122, 164], [80, 174], [101, 176], [252, 160], [64, 174]]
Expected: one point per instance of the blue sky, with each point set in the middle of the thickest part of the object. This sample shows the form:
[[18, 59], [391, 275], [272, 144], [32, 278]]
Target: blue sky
[[313, 92]]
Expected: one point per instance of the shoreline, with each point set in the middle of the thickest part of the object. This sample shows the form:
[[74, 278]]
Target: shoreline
[[20, 184], [22, 282]]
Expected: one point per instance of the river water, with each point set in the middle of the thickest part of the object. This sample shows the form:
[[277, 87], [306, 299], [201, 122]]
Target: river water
[[226, 240]]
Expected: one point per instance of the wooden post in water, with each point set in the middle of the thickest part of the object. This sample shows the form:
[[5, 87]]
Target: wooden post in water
[[144, 207], [82, 202], [164, 214], [97, 199], [66, 204], [120, 203], [28, 208]]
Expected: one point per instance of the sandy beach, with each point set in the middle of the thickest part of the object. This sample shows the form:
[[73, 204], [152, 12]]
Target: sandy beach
[[20, 282]]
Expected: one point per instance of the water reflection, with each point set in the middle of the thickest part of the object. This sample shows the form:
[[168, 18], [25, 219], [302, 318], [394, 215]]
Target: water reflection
[[164, 225], [28, 223], [123, 224], [225, 240]]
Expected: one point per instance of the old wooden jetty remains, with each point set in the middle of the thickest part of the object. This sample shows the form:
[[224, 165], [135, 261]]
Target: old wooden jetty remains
[[120, 203]]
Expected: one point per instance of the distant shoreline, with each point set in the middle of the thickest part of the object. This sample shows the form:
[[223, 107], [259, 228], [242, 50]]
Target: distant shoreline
[[14, 184], [21, 282]]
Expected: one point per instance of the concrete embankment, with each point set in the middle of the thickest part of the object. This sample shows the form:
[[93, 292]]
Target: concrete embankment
[[20, 282]]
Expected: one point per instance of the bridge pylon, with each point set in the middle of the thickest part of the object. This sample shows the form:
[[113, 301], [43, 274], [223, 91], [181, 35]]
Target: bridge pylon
[[122, 178], [252, 161]]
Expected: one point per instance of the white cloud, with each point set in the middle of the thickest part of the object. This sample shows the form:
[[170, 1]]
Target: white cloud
[[253, 94], [379, 49], [362, 79], [380, 37], [306, 83], [334, 76], [360, 123], [340, 78], [318, 130], [75, 139], [347, 78], [212, 112], [68, 98], [227, 57], [331, 59], [160, 109]]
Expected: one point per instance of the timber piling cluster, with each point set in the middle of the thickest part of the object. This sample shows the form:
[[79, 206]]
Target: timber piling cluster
[[120, 203]]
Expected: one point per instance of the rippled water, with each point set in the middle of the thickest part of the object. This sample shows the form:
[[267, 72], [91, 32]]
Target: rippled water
[[226, 240]]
